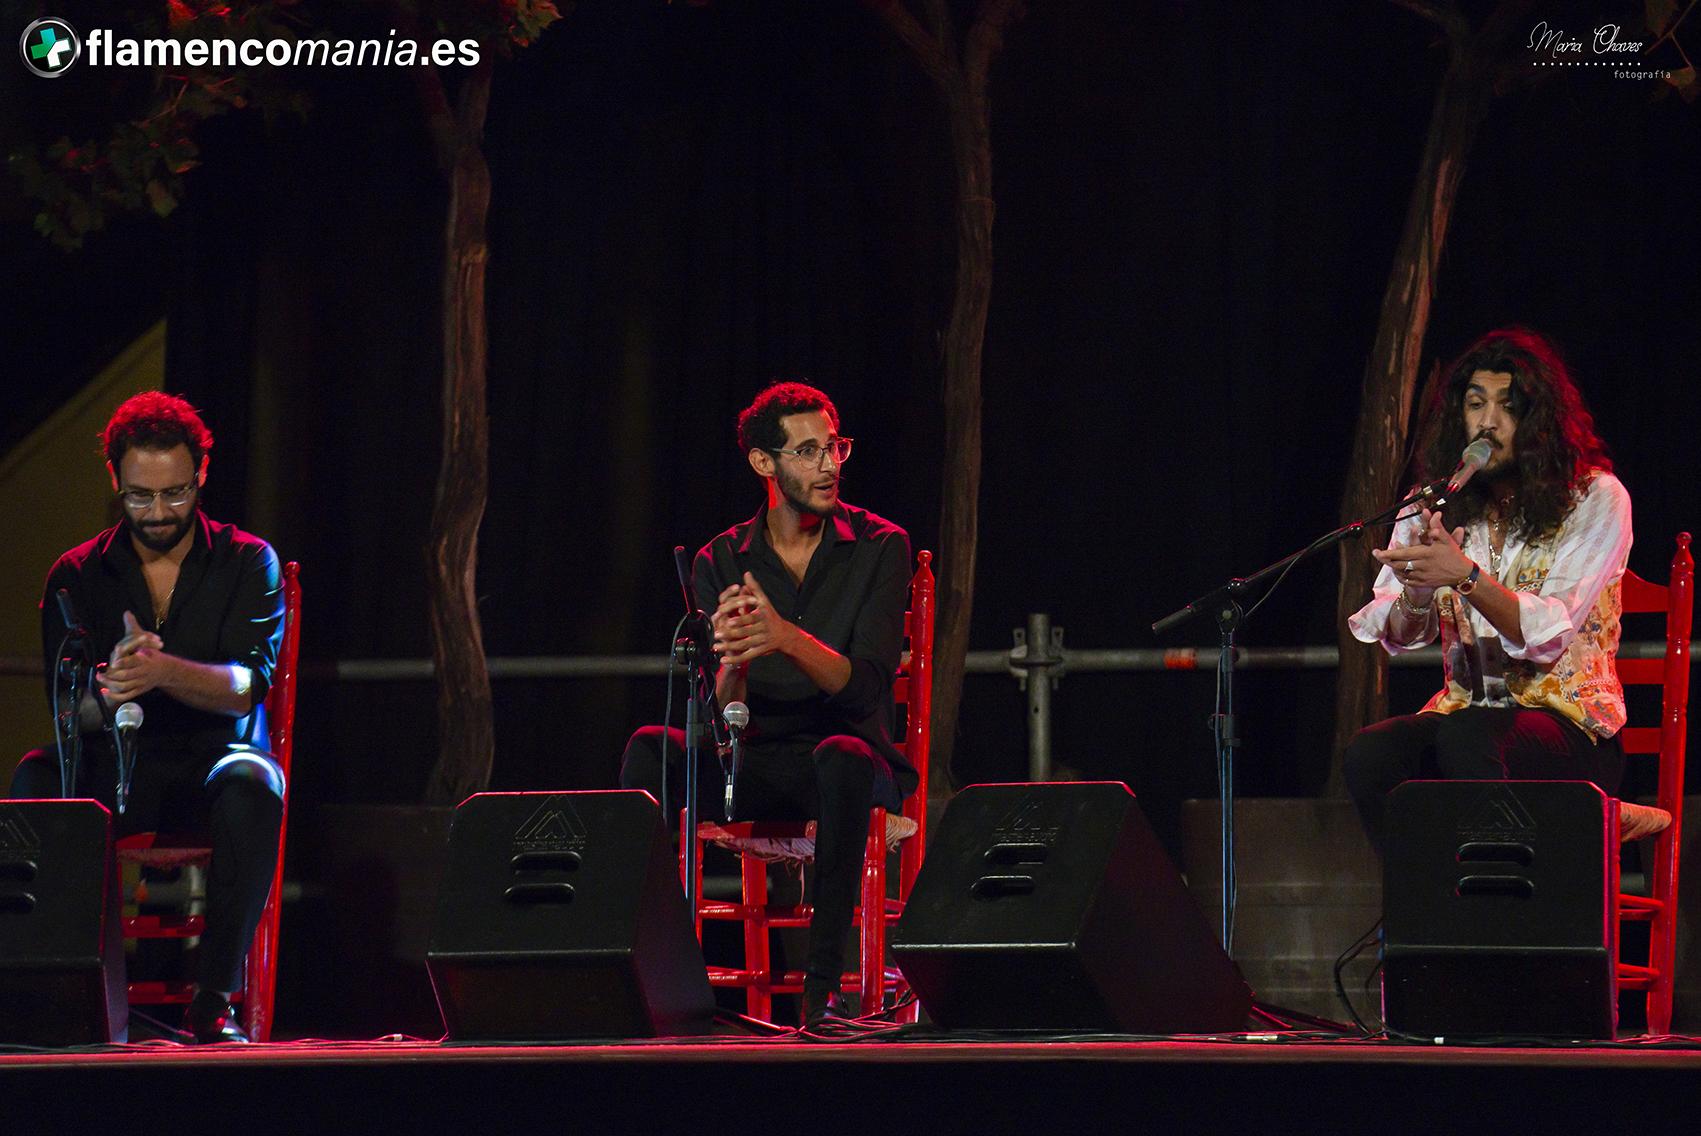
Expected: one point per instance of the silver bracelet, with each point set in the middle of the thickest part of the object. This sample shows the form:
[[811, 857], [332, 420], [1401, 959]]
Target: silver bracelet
[[1415, 612]]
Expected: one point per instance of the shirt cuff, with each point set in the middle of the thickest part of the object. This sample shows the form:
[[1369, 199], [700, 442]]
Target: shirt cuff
[[1369, 624]]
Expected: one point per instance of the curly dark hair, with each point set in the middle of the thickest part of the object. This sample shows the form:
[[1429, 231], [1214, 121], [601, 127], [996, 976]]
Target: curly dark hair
[[154, 420], [1555, 446], [759, 423]]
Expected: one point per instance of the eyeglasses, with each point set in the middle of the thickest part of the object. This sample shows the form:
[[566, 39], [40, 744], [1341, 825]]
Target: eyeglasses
[[812, 452], [141, 500]]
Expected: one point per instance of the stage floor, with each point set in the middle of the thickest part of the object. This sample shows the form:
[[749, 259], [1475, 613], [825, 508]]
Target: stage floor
[[936, 1085]]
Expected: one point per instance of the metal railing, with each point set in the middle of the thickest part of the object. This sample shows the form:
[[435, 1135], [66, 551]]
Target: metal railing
[[1038, 660]]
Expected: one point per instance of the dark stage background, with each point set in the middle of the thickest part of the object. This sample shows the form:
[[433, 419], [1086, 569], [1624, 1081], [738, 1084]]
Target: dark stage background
[[1197, 209]]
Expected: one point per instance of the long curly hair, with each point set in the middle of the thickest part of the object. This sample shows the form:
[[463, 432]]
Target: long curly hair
[[1555, 447]]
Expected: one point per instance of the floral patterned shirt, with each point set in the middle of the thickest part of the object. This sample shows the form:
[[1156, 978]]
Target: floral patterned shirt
[[1568, 610]]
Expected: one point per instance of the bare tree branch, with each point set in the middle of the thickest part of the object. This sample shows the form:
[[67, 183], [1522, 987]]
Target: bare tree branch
[[944, 30], [474, 102], [986, 38], [1442, 13], [1671, 32], [439, 118], [927, 50]]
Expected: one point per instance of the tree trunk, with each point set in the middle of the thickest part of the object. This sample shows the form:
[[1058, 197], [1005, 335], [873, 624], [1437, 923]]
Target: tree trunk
[[466, 734], [965, 336], [1390, 375], [960, 74]]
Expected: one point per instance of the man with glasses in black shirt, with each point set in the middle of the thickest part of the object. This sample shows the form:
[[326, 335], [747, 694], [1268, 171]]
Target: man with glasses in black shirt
[[807, 601], [188, 615]]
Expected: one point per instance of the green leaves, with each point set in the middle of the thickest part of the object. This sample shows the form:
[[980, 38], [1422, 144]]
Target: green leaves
[[141, 163], [161, 198]]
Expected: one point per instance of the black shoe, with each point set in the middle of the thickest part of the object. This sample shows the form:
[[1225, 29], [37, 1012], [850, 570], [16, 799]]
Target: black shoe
[[211, 1018], [821, 1003]]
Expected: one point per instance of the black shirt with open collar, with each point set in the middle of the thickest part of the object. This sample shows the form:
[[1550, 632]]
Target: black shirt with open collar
[[227, 607], [852, 598]]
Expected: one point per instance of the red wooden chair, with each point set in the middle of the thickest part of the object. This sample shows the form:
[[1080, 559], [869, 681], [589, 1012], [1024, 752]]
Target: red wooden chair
[[1658, 908], [159, 850], [758, 843]]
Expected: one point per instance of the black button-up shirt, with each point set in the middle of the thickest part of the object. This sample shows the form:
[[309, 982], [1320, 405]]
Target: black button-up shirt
[[852, 598], [227, 607]]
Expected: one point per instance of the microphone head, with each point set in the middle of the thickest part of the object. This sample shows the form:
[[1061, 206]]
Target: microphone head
[[1476, 454], [127, 716], [736, 715]]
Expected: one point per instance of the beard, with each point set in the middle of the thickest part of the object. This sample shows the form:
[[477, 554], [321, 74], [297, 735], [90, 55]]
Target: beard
[[1501, 468], [795, 490], [159, 536]]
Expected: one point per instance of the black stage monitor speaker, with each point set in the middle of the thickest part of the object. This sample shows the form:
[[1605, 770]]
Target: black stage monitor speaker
[[1053, 907], [562, 916], [1496, 910], [61, 939]]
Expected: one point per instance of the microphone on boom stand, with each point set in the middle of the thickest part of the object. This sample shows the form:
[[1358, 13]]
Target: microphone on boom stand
[[1471, 462], [696, 645], [77, 672]]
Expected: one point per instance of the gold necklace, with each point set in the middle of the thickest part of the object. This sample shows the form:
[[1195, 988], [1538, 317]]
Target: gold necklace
[[163, 610], [1497, 532]]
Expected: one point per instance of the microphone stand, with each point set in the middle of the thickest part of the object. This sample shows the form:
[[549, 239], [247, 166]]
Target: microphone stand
[[77, 672], [693, 650], [1224, 604]]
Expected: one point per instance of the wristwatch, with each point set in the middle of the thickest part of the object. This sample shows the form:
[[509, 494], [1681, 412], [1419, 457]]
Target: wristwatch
[[1469, 584]]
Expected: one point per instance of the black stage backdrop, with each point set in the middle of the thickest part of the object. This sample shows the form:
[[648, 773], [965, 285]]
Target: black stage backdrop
[[1197, 208]]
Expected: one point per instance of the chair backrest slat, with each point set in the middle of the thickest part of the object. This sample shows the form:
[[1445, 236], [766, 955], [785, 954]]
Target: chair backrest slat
[[1667, 739], [914, 690]]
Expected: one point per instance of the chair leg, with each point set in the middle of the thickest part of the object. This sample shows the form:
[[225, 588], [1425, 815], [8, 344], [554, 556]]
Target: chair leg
[[1662, 937], [759, 995], [873, 923], [258, 978]]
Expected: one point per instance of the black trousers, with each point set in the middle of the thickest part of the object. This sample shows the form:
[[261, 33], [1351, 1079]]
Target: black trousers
[[833, 781], [1477, 743], [231, 795]]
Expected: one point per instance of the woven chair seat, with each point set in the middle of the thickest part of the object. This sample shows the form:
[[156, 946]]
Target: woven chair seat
[[796, 846], [1637, 822]]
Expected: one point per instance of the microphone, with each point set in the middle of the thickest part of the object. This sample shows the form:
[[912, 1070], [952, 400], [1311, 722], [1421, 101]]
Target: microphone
[[736, 715], [1476, 456], [127, 719]]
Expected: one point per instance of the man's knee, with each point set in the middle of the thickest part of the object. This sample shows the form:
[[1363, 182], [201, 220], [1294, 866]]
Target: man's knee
[[846, 753], [640, 765], [1368, 766], [249, 771], [36, 777], [846, 770], [1466, 747]]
